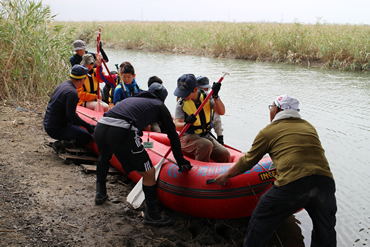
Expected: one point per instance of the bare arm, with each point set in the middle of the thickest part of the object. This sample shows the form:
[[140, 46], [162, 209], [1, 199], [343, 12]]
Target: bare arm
[[224, 177], [179, 123], [219, 107]]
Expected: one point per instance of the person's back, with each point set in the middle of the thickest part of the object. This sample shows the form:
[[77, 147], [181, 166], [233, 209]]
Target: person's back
[[136, 108], [295, 149], [303, 180], [56, 110]]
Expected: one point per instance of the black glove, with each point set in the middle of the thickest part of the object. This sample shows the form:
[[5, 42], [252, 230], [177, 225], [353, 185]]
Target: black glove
[[190, 119], [216, 88], [90, 128], [220, 139], [185, 164]]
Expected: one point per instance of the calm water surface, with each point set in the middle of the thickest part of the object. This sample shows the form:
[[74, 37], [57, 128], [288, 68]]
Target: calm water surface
[[336, 103]]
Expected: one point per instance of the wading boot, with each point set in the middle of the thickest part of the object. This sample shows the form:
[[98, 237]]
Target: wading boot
[[101, 193], [153, 218], [58, 148], [68, 143]]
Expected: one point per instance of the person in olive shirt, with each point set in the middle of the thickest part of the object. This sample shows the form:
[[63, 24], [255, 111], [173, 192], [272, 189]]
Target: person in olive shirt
[[61, 121], [304, 179]]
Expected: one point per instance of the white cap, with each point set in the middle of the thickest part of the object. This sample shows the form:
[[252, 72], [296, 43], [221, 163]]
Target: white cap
[[287, 102]]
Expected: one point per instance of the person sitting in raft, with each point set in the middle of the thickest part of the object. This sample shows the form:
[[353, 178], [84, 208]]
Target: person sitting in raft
[[154, 127], [197, 140], [61, 121], [203, 84], [304, 178], [117, 132], [107, 98], [88, 93], [79, 47], [127, 86], [117, 81]]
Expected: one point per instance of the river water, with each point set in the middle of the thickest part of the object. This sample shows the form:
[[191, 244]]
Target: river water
[[336, 103]]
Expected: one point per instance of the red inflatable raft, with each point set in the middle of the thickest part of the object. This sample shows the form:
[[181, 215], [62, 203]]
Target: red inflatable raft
[[187, 191]]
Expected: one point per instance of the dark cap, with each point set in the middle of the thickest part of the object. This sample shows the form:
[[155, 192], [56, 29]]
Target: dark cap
[[78, 72], [159, 90], [185, 85], [203, 82], [153, 79]]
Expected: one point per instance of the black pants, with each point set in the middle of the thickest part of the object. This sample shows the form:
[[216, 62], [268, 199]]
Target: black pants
[[313, 193], [70, 132], [125, 144]]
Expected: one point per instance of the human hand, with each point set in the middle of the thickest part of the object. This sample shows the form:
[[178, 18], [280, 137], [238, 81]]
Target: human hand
[[190, 119], [221, 179], [98, 59], [90, 128], [216, 88], [220, 139], [184, 164]]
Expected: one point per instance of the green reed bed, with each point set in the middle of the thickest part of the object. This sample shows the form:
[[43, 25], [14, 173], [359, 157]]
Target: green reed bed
[[344, 47], [34, 52]]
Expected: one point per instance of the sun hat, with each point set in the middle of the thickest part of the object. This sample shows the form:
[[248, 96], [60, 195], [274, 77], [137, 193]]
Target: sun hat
[[287, 102], [78, 72], [159, 90], [79, 45], [185, 85], [87, 59], [203, 82]]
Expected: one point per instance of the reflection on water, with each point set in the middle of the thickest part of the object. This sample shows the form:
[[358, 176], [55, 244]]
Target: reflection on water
[[336, 103]]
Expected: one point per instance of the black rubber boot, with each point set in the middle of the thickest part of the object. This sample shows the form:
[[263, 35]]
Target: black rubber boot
[[101, 193], [153, 218], [69, 144], [58, 148]]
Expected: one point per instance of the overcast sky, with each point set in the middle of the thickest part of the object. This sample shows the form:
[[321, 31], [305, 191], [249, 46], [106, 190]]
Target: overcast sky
[[303, 11]]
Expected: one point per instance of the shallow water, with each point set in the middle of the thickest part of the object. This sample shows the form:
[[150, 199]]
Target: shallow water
[[336, 103]]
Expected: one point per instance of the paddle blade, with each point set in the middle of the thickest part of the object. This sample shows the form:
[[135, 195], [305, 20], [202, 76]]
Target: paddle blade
[[99, 107], [136, 196]]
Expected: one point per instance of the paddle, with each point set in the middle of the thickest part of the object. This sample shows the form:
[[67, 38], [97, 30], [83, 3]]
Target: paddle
[[98, 107], [136, 196]]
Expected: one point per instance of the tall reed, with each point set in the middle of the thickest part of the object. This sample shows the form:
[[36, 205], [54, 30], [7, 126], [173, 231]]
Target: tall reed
[[344, 47], [34, 52]]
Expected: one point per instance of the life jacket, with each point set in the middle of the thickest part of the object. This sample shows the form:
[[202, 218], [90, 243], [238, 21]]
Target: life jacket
[[203, 123], [128, 92], [89, 90], [91, 85], [111, 91]]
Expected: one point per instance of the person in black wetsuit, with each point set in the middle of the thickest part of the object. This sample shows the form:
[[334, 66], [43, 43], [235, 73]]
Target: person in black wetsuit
[[118, 132], [61, 121]]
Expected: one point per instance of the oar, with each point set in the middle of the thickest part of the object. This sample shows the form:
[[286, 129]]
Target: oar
[[136, 196], [98, 106]]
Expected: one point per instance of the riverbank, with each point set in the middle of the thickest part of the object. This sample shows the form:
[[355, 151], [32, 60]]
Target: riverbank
[[46, 202], [343, 47]]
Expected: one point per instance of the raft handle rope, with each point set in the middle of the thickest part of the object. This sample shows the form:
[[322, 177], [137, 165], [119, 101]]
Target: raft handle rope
[[93, 118]]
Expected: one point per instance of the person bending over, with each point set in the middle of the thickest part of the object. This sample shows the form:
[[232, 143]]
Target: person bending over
[[118, 132], [303, 180]]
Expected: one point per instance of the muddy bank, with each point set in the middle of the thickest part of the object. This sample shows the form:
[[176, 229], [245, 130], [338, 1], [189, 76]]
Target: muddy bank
[[46, 202]]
